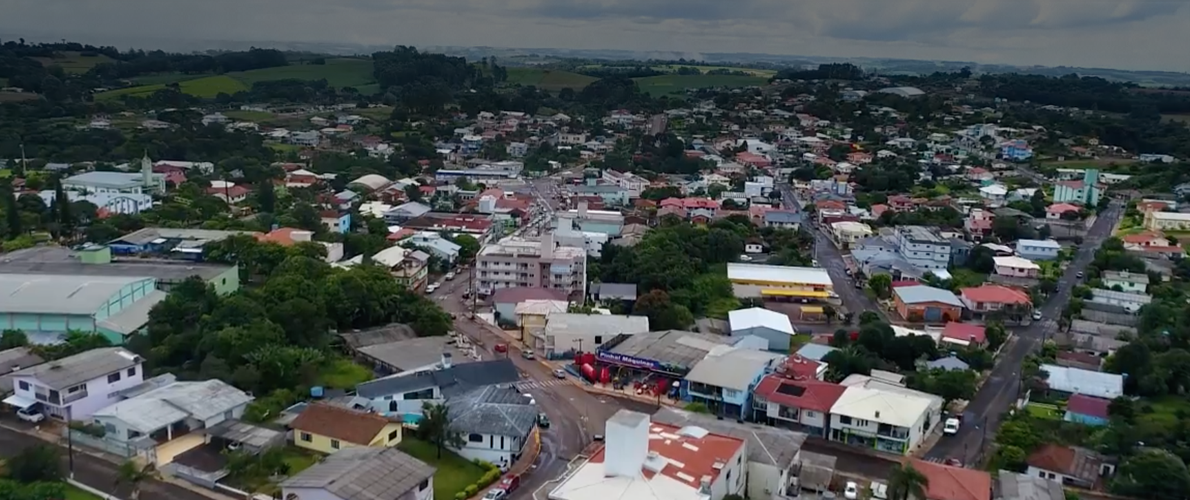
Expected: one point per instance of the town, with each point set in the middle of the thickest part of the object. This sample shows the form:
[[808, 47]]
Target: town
[[816, 282]]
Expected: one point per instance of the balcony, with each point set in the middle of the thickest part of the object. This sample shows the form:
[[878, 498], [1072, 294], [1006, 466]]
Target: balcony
[[788, 413], [70, 398], [52, 397]]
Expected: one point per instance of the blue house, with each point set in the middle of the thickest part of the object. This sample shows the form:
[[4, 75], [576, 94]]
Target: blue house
[[725, 378], [1017, 150], [336, 221], [1038, 249], [1087, 410]]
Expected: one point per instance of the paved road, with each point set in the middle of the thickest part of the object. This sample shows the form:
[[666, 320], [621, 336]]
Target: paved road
[[982, 416], [95, 472]]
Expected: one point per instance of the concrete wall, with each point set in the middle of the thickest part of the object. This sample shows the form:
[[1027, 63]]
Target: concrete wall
[[491, 448]]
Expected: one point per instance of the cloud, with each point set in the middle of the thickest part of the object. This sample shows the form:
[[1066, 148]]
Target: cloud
[[1114, 33]]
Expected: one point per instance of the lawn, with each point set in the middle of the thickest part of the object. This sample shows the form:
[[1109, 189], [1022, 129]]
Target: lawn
[[17, 96], [754, 72], [248, 116], [1105, 164], [379, 113], [1176, 118], [207, 87], [76, 493], [298, 459], [166, 78], [548, 79], [73, 62], [454, 473], [668, 84], [344, 374], [342, 72], [1044, 411]]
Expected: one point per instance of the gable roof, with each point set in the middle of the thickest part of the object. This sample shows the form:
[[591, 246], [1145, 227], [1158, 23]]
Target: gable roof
[[1013, 486], [499, 411], [766, 444], [887, 407], [451, 381], [1078, 381], [742, 319], [73, 370], [1086, 405], [954, 483], [814, 395], [340, 423], [996, 294], [924, 294], [965, 332], [731, 367], [161, 407], [364, 474], [1065, 460]]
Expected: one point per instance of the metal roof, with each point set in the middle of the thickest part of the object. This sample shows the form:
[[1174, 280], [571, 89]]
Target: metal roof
[[595, 324], [495, 410], [780, 274], [732, 367], [1086, 382], [877, 405], [363, 473], [743, 319], [454, 380], [413, 353], [1013, 486], [59, 294], [82, 367], [161, 407], [670, 346], [106, 179], [922, 294], [132, 318], [64, 261]]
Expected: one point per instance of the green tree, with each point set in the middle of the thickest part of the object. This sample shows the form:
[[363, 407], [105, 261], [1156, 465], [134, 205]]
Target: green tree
[[134, 476], [468, 247], [38, 463], [1152, 473], [12, 213], [1011, 458], [434, 427], [881, 285], [697, 408], [905, 482], [266, 196], [13, 338]]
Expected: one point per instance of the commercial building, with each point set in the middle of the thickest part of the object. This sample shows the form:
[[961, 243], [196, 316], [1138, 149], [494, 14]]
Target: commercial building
[[46, 307], [772, 326], [173, 242], [645, 460], [111, 203], [668, 352], [611, 195], [97, 260], [567, 333], [515, 262], [764, 281], [923, 247], [1167, 221], [724, 379], [927, 304], [889, 421], [606, 222]]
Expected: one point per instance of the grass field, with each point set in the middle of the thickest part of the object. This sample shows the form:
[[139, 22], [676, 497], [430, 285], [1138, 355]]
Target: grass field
[[668, 84], [754, 72], [206, 87], [341, 72], [1043, 411], [1106, 164], [73, 62], [551, 80], [248, 116], [75, 493], [1176, 118], [454, 473], [166, 78], [17, 96]]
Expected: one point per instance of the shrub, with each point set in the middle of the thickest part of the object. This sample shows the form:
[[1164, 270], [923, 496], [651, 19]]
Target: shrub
[[460, 496], [89, 429], [470, 490]]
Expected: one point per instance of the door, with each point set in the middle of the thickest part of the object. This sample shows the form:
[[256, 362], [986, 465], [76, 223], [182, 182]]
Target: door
[[933, 314]]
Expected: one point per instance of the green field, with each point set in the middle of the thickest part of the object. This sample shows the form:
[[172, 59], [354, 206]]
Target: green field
[[754, 72], [248, 116], [668, 84], [454, 473], [73, 62], [166, 78], [206, 87], [1176, 118], [343, 72], [17, 96], [548, 79]]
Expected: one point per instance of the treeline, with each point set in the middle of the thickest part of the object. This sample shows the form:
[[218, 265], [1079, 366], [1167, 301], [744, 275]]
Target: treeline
[[137, 63], [832, 71], [619, 71], [1085, 92]]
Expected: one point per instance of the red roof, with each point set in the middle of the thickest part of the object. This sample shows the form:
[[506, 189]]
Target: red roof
[[689, 458], [965, 331], [954, 483], [878, 209], [1061, 208], [900, 283], [1087, 405], [814, 395], [401, 234], [1072, 184], [995, 294], [799, 367], [690, 203], [830, 204]]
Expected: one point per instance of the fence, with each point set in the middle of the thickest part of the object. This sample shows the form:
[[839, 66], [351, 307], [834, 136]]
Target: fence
[[123, 450], [209, 480]]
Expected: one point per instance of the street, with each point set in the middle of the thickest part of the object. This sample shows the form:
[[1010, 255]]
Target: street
[[997, 395]]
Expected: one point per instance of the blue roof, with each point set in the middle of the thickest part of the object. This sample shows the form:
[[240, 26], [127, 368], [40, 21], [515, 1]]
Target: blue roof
[[815, 351], [783, 216]]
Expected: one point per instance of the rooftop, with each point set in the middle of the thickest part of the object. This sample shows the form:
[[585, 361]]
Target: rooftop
[[766, 444], [364, 474], [954, 483], [413, 354], [674, 347], [1013, 486], [743, 319], [814, 395], [454, 380], [518, 247], [152, 234], [175, 402], [82, 367], [1015, 262], [115, 180], [59, 294], [731, 367], [1086, 382], [926, 294], [995, 294], [761, 273], [495, 410], [1089, 406], [965, 332], [887, 407], [922, 234], [340, 423], [595, 324], [1066, 460], [619, 291]]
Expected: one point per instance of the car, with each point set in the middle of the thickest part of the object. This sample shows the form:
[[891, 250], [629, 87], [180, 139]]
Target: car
[[851, 491], [450, 276], [543, 421], [951, 427], [879, 490], [31, 414], [559, 373], [1079, 275], [1037, 316], [597, 438], [501, 348], [528, 355], [495, 494], [510, 483], [954, 462]]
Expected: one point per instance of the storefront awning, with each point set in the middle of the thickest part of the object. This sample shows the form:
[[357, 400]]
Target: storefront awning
[[19, 401], [795, 293]]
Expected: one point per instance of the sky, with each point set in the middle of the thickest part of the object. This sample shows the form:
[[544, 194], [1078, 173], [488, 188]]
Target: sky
[[1123, 34]]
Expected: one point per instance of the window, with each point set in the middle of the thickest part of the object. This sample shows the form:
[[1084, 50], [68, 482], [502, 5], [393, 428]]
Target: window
[[306, 437], [132, 372], [423, 485], [113, 378], [23, 385], [335, 444], [394, 435], [729, 475], [228, 415], [844, 419], [75, 389], [475, 438], [731, 393], [598, 339]]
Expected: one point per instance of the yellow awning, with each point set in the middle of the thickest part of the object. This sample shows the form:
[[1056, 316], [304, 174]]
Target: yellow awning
[[811, 310], [795, 293]]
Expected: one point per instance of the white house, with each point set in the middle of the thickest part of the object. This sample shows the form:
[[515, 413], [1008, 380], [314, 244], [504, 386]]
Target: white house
[[1088, 383], [993, 194], [566, 332], [882, 419], [75, 387], [772, 326], [494, 422], [1016, 267], [1128, 282], [1131, 302]]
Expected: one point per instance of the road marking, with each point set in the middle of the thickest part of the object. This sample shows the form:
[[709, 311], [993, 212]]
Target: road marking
[[541, 384]]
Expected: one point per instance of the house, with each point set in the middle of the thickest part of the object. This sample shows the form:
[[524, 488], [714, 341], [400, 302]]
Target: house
[[994, 194], [1129, 302], [964, 334], [326, 428], [639, 460], [336, 221], [395, 393], [927, 304], [724, 379], [506, 300], [12, 360], [1056, 210], [815, 351], [569, 332], [170, 415], [1070, 381], [438, 245], [1154, 243], [802, 405], [230, 193], [947, 482], [363, 474], [772, 326], [1167, 221], [892, 421], [1016, 267], [494, 422], [989, 298], [1087, 410], [846, 233], [1013, 486], [784, 219], [1038, 249], [75, 387], [1128, 282], [949, 363], [1068, 465]]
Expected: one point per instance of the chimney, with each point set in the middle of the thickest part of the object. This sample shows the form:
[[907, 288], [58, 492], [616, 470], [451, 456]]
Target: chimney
[[582, 209], [301, 236], [447, 359], [626, 444], [547, 245]]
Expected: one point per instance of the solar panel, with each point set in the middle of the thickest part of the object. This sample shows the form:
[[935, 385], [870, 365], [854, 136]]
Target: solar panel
[[791, 390]]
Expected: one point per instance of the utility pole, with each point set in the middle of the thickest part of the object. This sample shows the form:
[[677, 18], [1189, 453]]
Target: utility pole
[[24, 162], [70, 441]]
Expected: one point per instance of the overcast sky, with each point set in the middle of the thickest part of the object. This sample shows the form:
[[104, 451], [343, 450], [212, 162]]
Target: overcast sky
[[1127, 34]]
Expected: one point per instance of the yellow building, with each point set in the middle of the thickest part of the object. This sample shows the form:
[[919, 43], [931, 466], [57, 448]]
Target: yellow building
[[531, 314], [327, 429], [760, 281]]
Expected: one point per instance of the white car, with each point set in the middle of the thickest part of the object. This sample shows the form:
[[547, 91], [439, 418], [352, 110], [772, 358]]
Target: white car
[[431, 288], [450, 276], [1036, 315], [951, 427], [30, 414], [495, 494], [851, 491]]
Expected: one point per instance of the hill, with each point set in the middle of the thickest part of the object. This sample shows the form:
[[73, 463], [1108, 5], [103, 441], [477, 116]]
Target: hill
[[668, 84], [73, 62], [339, 72], [548, 79], [206, 87]]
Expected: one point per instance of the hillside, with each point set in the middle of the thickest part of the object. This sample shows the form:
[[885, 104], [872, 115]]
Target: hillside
[[340, 72], [548, 79], [668, 84]]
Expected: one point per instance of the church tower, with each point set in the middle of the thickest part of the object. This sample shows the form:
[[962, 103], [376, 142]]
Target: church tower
[[146, 171]]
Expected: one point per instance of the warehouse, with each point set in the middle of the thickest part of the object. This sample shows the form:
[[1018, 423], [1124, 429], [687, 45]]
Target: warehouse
[[46, 307], [764, 281]]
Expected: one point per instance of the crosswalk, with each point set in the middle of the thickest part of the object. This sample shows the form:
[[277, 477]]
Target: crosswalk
[[542, 384]]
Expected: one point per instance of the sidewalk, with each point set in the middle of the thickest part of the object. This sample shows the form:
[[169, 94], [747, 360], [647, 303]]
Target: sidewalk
[[522, 466]]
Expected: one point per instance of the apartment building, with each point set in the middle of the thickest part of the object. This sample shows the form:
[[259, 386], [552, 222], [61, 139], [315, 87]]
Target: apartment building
[[923, 247], [516, 262]]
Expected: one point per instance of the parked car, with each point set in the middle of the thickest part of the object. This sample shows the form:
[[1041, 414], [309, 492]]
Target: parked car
[[510, 483], [527, 354], [851, 491], [1037, 316], [559, 373], [31, 414], [1079, 275], [543, 421], [951, 427], [450, 276], [495, 494], [501, 348]]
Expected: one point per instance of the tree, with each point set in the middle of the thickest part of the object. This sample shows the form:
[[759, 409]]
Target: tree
[[266, 197], [881, 285], [1010, 458], [995, 334], [868, 317], [434, 427], [468, 247], [950, 384], [13, 338], [35, 464], [905, 482], [12, 213], [1152, 473], [133, 475]]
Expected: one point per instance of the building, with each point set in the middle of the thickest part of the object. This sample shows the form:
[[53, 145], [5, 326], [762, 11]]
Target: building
[[13, 360], [75, 387], [606, 222], [144, 182], [1013, 486], [1038, 249], [783, 219], [759, 281], [640, 460], [1057, 210], [802, 405], [1129, 302], [515, 262], [326, 428], [989, 298], [772, 326], [1087, 410], [97, 260], [1016, 150], [1068, 465], [438, 246], [948, 482], [847, 233], [964, 334], [1126, 281], [406, 211], [923, 247], [1016, 267], [408, 353], [885, 420], [624, 293], [335, 221], [46, 307], [111, 203], [363, 474], [927, 304], [612, 195], [631, 182], [566, 333], [1167, 221], [495, 423], [403, 394], [408, 267], [506, 300], [1084, 192], [186, 244], [288, 236], [724, 379], [1069, 381]]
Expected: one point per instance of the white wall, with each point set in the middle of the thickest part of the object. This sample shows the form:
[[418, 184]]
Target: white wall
[[491, 448], [100, 393], [1053, 476], [733, 478]]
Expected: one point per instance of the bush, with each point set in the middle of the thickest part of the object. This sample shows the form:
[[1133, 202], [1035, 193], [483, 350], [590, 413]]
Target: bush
[[470, 490], [460, 496], [89, 429]]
